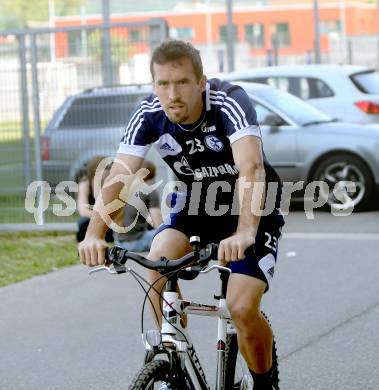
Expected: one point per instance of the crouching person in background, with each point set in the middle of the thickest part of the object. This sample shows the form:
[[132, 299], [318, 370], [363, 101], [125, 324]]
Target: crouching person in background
[[87, 196], [142, 231]]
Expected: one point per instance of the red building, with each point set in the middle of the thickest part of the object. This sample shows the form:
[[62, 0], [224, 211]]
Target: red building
[[289, 23]]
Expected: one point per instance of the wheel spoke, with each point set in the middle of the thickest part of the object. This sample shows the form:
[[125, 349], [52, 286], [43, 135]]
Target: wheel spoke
[[330, 178], [339, 173], [360, 186], [345, 172]]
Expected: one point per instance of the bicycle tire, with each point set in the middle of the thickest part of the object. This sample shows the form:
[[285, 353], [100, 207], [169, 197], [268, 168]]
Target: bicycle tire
[[152, 374], [233, 358]]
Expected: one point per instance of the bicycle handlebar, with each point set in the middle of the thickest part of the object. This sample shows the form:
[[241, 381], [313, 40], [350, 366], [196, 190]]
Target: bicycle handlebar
[[197, 259]]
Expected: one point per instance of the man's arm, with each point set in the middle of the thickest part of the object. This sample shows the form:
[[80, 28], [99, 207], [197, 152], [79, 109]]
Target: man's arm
[[247, 154], [91, 250]]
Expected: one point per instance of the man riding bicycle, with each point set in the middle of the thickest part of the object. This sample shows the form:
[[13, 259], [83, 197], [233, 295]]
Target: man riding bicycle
[[207, 132]]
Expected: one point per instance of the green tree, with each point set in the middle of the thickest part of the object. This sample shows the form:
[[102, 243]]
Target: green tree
[[24, 13]]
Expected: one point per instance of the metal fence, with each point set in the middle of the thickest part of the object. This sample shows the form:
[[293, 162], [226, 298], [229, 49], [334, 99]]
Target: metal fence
[[39, 70], [355, 50]]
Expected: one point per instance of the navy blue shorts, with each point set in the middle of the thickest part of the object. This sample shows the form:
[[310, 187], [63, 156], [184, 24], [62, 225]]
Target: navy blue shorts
[[260, 258]]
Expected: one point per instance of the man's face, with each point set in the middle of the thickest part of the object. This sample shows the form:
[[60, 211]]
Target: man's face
[[179, 93]]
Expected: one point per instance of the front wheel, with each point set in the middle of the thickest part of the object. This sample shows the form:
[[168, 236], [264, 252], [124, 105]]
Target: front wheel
[[157, 375], [237, 375], [151, 376]]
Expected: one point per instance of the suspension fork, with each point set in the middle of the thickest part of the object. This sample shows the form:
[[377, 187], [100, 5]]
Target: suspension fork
[[184, 353]]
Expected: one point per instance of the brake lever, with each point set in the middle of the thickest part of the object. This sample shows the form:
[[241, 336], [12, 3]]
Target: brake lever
[[215, 266], [111, 269]]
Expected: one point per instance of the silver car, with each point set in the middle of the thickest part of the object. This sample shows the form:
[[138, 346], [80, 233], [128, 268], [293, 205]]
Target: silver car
[[88, 124], [346, 92], [304, 144]]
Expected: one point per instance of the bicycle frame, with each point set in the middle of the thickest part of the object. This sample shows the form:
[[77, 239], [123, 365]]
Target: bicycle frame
[[174, 341], [173, 334]]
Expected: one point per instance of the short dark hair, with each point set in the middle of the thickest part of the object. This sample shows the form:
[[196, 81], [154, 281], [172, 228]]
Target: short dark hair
[[89, 171], [92, 166], [173, 50]]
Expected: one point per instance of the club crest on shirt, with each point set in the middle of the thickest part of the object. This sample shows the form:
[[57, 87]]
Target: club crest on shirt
[[213, 143]]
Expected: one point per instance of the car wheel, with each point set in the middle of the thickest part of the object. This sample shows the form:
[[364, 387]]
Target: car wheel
[[337, 171]]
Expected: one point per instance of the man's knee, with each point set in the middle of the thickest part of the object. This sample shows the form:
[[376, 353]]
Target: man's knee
[[244, 315], [243, 300], [169, 243]]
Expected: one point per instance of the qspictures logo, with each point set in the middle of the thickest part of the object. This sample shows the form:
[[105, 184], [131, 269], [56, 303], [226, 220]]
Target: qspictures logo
[[133, 186]]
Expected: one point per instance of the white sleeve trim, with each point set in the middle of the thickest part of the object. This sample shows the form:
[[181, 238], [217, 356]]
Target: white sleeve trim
[[134, 150], [251, 130]]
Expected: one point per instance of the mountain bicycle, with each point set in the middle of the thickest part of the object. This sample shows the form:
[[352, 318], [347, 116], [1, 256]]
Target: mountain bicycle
[[171, 361]]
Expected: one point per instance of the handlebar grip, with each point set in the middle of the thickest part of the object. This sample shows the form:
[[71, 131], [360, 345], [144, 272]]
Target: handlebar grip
[[115, 255], [214, 250]]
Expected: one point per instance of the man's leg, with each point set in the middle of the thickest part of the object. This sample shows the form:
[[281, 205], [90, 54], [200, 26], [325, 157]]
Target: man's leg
[[253, 331], [172, 244]]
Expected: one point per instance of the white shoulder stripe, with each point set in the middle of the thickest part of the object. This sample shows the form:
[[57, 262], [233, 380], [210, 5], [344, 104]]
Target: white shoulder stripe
[[144, 104], [140, 111], [132, 132], [152, 102], [223, 96], [217, 92], [230, 117], [239, 108], [231, 112], [135, 131], [137, 115]]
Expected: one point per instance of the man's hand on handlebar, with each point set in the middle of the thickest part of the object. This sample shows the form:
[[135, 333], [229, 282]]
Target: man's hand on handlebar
[[233, 248], [92, 251]]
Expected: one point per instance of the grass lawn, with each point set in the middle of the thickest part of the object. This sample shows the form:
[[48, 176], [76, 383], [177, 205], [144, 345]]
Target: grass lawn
[[12, 130], [12, 208], [24, 255], [11, 153], [11, 167], [12, 191]]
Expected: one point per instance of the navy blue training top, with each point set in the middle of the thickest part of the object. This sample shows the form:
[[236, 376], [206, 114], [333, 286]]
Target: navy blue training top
[[202, 151]]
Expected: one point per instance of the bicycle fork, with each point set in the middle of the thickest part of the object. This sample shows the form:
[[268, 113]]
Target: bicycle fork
[[173, 334], [221, 347]]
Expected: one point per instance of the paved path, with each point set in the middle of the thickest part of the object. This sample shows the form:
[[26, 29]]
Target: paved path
[[67, 330]]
